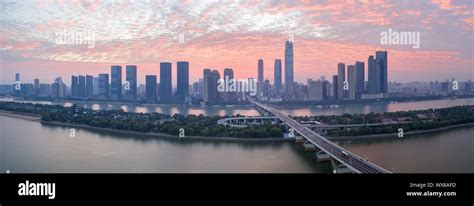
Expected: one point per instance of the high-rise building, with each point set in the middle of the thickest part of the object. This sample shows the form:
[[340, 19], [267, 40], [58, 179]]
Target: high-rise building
[[165, 82], [260, 70], [116, 83], [372, 86], [381, 59], [360, 80], [335, 86], [228, 96], [289, 67], [89, 86], [82, 86], [210, 92], [45, 90], [277, 75], [341, 77], [131, 82], [104, 86], [74, 86], [150, 91], [317, 90], [36, 87], [16, 90], [182, 90], [95, 86], [351, 78], [58, 89]]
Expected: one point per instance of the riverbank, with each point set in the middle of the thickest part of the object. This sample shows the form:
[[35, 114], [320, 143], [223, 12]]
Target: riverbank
[[395, 135], [167, 136], [30, 117], [37, 118]]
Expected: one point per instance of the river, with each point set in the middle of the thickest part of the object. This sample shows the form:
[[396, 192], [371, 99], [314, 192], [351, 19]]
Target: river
[[27, 146]]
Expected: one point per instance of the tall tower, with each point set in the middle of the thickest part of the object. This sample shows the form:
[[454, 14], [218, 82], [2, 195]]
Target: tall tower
[[341, 77], [277, 75], [165, 81], [131, 78], [289, 66], [183, 81], [116, 83]]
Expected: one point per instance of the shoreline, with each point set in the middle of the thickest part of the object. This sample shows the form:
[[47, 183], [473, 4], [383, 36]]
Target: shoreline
[[37, 118], [168, 136], [394, 135]]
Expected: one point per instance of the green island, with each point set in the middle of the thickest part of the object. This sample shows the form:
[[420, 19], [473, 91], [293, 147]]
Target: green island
[[206, 126]]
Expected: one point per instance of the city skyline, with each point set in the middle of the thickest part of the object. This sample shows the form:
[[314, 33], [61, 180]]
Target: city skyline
[[236, 41]]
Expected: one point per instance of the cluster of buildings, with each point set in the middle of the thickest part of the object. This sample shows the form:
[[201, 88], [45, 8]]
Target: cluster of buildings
[[349, 83]]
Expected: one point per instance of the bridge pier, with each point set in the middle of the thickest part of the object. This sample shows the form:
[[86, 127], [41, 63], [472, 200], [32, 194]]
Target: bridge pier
[[339, 168], [322, 156], [308, 146]]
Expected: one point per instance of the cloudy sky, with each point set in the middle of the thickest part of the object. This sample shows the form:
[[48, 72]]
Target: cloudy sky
[[235, 34]]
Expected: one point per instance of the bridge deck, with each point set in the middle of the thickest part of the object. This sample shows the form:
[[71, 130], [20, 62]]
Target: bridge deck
[[342, 155]]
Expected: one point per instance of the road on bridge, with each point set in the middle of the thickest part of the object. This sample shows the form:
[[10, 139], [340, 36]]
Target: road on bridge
[[342, 155]]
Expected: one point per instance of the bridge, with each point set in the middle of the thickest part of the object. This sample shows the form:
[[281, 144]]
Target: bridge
[[341, 155]]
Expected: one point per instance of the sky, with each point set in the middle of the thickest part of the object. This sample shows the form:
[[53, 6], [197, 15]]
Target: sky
[[35, 37]]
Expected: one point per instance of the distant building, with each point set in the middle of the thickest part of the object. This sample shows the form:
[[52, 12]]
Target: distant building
[[74, 86], [289, 67], [82, 86], [260, 70], [317, 90], [381, 62], [151, 91], [89, 86], [373, 84], [182, 90], [95, 90], [58, 89], [341, 77], [360, 81], [131, 79], [277, 76], [351, 78], [165, 82], [228, 96], [45, 90], [335, 86], [104, 86], [210, 93], [116, 83]]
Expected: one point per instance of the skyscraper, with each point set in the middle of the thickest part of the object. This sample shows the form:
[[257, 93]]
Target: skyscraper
[[16, 90], [335, 86], [116, 83], [228, 96], [82, 86], [360, 80], [210, 93], [95, 86], [289, 66], [103, 86], [131, 78], [36, 87], [150, 91], [341, 77], [260, 70], [351, 78], [372, 86], [165, 82], [381, 59], [277, 75], [89, 86], [74, 86], [182, 90]]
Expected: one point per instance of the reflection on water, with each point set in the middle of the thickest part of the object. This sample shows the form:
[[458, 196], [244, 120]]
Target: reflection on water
[[250, 111], [44, 148]]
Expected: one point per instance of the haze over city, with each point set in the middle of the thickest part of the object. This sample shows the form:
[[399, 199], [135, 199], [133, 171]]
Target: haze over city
[[219, 35]]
